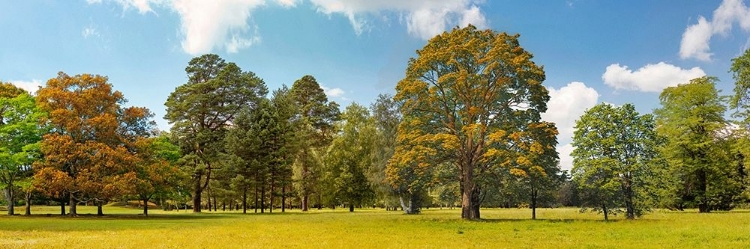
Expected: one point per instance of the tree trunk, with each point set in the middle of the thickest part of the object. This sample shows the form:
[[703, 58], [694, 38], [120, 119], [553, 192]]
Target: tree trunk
[[256, 200], [534, 194], [320, 201], [215, 206], [351, 207], [606, 215], [629, 208], [10, 198], [244, 200], [73, 204], [283, 198], [262, 199], [62, 207], [99, 211], [28, 203], [469, 196], [703, 197], [145, 206]]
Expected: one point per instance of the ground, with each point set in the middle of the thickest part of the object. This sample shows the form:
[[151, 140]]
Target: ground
[[372, 228]]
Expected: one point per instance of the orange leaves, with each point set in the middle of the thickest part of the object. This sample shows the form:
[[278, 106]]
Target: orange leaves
[[86, 153]]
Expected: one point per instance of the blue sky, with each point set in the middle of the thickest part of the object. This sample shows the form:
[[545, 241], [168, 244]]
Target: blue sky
[[592, 51]]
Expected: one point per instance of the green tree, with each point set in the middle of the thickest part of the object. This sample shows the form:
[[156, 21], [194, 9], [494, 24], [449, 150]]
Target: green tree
[[317, 117], [462, 96], [613, 155], [740, 101], [20, 133], [201, 110], [385, 112], [349, 157], [156, 168], [692, 120]]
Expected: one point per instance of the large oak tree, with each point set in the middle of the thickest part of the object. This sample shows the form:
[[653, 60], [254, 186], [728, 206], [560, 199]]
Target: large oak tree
[[463, 95], [86, 155]]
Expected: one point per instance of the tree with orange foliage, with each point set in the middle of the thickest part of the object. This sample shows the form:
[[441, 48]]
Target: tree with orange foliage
[[87, 156], [462, 96]]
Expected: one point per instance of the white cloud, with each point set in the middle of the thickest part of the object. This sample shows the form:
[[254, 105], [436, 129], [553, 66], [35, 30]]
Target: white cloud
[[30, 86], [566, 105], [566, 161], [210, 24], [287, 3], [333, 92], [423, 19], [650, 78], [696, 38]]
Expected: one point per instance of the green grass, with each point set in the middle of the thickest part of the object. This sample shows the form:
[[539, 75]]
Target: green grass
[[502, 228]]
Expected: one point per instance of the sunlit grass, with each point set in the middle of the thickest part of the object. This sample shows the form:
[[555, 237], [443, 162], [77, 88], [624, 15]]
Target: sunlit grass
[[502, 228]]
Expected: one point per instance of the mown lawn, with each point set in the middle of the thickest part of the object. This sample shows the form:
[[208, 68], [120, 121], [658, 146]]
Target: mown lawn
[[502, 228]]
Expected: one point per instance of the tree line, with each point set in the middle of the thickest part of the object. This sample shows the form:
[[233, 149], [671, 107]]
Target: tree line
[[463, 129]]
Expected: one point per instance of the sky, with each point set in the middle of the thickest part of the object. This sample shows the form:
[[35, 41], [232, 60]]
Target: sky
[[592, 51]]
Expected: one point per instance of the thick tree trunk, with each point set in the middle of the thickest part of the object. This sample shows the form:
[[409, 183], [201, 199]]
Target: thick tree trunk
[[351, 208], [73, 204], [10, 198], [62, 207], [469, 197], [198, 189]]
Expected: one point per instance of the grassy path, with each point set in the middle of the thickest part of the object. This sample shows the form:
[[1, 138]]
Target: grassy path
[[502, 228]]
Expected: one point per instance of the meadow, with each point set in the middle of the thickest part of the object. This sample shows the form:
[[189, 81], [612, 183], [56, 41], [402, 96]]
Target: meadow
[[372, 228]]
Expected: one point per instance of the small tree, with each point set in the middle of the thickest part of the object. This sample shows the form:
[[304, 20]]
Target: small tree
[[612, 159], [20, 133], [349, 157]]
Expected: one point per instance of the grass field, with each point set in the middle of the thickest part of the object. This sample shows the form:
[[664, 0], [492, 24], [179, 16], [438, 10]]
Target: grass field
[[502, 228]]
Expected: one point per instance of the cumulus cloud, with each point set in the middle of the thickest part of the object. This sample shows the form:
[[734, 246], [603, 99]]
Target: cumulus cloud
[[423, 19], [650, 78], [333, 92], [696, 38], [564, 107], [30, 86], [220, 23]]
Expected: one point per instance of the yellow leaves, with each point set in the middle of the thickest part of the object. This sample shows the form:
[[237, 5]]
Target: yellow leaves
[[518, 172], [496, 136]]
